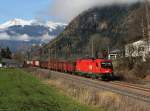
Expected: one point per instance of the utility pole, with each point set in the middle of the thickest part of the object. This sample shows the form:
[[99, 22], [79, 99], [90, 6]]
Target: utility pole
[[55, 52], [94, 20], [147, 16], [143, 29], [147, 23], [92, 47], [108, 52], [49, 54]]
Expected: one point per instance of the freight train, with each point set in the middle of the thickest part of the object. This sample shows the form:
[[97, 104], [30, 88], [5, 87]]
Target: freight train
[[88, 67]]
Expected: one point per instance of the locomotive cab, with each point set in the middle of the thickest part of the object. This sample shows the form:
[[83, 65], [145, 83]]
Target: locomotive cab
[[106, 69]]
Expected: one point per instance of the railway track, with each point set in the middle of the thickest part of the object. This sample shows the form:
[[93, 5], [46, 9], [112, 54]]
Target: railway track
[[130, 85], [133, 91]]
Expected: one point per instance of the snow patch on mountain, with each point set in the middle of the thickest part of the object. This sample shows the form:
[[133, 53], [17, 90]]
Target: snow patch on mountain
[[53, 25], [21, 22], [16, 22]]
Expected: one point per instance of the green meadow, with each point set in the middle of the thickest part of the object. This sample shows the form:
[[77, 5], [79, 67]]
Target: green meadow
[[20, 91]]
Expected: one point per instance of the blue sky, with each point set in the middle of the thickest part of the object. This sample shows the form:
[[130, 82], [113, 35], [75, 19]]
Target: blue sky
[[25, 9], [54, 10]]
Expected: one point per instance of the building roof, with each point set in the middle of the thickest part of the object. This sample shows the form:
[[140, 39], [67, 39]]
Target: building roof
[[10, 61], [116, 51]]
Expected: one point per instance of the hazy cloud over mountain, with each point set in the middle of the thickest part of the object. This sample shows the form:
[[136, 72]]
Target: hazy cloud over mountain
[[66, 10]]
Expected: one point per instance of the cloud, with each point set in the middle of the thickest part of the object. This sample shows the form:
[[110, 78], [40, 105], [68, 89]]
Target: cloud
[[4, 36], [66, 10], [23, 37], [45, 38]]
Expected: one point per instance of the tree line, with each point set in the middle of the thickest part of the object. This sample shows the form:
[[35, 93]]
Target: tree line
[[5, 53]]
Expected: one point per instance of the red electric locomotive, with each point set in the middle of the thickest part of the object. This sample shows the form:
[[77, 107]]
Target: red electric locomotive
[[95, 68]]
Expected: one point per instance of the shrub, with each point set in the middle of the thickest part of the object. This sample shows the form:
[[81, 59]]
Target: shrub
[[132, 68]]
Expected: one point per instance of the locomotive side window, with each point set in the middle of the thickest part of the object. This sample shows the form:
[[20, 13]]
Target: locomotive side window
[[106, 65]]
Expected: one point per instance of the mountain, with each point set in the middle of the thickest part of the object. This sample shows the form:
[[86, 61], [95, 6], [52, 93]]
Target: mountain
[[31, 31], [15, 22], [106, 27]]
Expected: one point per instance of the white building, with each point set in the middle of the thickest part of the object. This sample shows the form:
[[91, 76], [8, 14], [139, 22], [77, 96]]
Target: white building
[[113, 55], [1, 65], [139, 48]]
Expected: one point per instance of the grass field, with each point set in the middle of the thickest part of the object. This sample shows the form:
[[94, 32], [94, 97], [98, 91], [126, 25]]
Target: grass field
[[20, 91]]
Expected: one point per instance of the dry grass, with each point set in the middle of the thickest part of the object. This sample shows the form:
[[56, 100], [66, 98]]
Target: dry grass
[[109, 101], [86, 95]]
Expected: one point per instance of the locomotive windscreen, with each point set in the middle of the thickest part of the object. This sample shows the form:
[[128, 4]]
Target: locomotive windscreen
[[107, 65]]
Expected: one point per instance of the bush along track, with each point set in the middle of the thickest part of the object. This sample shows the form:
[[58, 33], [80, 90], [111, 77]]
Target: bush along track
[[20, 91]]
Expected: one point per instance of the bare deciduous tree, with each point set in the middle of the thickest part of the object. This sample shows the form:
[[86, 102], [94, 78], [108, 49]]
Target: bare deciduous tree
[[96, 44]]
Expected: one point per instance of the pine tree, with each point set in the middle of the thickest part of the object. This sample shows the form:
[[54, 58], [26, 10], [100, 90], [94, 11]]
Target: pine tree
[[6, 53]]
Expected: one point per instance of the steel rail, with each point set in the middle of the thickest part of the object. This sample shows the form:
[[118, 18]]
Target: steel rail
[[105, 86], [130, 85]]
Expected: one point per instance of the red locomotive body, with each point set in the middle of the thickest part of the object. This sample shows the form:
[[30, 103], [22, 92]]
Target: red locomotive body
[[95, 67]]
